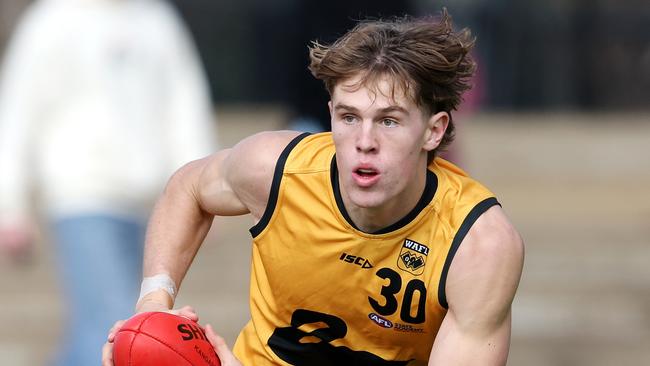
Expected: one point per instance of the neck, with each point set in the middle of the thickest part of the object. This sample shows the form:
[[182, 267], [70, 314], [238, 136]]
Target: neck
[[372, 219]]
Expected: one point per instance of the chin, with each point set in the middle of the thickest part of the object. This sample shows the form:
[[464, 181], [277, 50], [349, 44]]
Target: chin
[[367, 199]]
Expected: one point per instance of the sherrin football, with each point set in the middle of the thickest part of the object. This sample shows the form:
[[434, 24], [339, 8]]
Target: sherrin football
[[162, 339]]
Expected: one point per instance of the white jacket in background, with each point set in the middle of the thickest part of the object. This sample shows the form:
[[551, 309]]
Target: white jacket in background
[[100, 101]]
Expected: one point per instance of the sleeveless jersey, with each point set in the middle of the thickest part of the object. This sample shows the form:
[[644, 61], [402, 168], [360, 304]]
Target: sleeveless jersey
[[325, 293]]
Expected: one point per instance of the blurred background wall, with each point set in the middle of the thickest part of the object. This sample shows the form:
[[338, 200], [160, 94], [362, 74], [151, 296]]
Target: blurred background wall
[[534, 54], [561, 133], [557, 54]]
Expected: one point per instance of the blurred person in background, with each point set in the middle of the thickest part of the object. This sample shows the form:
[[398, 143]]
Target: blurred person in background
[[100, 100], [9, 11]]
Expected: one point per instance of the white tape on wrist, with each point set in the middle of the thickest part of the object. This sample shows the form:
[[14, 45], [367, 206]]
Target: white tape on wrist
[[158, 282]]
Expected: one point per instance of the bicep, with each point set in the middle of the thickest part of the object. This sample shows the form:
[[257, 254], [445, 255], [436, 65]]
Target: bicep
[[481, 285], [214, 191]]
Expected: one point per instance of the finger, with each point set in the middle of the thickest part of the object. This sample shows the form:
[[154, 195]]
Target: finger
[[187, 312], [114, 329], [107, 354], [218, 343], [213, 338]]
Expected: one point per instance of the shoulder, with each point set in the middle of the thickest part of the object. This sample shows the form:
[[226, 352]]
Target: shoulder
[[38, 24], [248, 167], [493, 233], [159, 14], [257, 155], [485, 272]]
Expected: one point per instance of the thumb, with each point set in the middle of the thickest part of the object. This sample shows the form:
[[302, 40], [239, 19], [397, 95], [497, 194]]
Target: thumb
[[221, 348]]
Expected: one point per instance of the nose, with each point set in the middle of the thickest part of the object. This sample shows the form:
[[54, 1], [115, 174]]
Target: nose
[[366, 141]]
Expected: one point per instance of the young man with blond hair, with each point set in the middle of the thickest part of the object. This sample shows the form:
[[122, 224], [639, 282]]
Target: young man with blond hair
[[367, 248]]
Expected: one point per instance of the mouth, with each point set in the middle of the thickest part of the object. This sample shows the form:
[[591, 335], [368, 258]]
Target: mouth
[[363, 172], [365, 176]]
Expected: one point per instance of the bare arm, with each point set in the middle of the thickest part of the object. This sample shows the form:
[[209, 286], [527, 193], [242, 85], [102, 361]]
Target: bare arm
[[231, 182], [480, 289]]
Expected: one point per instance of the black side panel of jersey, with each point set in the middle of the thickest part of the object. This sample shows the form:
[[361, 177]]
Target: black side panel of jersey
[[275, 185], [473, 215]]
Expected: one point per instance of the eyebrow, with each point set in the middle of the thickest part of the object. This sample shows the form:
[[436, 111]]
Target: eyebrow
[[389, 109]]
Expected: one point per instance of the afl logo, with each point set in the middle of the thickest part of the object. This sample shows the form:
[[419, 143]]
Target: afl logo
[[381, 321]]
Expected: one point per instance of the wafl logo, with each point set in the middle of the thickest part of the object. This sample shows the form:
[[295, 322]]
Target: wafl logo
[[413, 257]]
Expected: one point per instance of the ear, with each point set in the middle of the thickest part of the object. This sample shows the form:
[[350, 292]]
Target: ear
[[436, 127], [329, 106]]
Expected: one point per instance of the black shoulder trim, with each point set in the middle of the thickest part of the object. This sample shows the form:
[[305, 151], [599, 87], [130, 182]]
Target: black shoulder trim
[[334, 177], [473, 215], [275, 185]]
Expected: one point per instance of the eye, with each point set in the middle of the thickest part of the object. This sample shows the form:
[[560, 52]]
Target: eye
[[349, 119], [387, 122]]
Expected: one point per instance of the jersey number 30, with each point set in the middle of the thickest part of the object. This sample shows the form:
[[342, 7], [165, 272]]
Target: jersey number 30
[[390, 303]]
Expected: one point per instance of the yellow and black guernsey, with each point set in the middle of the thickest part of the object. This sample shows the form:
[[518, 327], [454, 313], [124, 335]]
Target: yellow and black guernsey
[[325, 293]]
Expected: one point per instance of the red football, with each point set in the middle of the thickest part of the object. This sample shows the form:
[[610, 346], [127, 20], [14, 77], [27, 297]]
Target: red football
[[162, 339]]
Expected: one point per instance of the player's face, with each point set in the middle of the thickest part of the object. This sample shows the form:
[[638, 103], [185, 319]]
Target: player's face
[[382, 140]]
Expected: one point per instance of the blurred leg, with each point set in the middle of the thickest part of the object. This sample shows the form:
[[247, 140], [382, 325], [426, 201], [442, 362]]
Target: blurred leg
[[100, 260]]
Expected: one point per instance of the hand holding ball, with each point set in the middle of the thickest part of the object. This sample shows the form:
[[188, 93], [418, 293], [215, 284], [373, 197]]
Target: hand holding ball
[[162, 339]]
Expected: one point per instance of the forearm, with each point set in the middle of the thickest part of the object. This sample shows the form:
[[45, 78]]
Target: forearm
[[177, 227], [201, 189]]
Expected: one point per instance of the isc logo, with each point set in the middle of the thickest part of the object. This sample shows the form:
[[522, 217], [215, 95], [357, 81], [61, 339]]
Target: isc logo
[[191, 331], [359, 261], [381, 321]]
